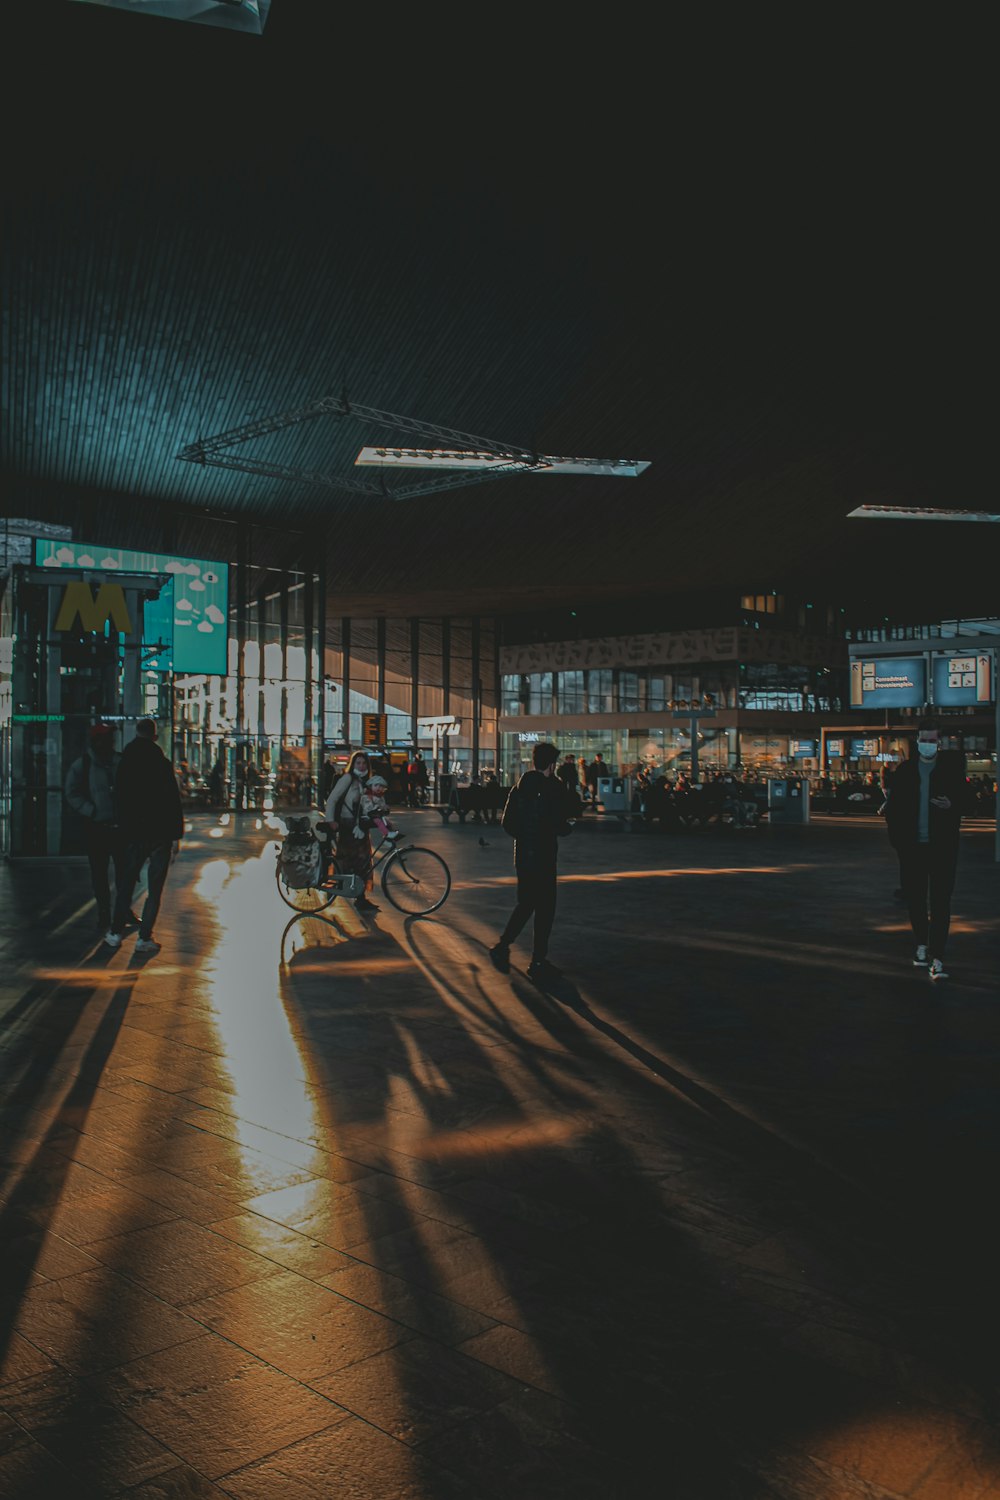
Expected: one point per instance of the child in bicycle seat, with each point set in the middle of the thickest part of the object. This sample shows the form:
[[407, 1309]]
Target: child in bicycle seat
[[375, 809]]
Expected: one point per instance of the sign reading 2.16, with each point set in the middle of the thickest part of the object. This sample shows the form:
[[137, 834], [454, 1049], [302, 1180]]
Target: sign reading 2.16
[[963, 681]]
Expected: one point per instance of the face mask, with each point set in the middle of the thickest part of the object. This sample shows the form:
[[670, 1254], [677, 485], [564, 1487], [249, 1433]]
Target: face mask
[[927, 749], [359, 773]]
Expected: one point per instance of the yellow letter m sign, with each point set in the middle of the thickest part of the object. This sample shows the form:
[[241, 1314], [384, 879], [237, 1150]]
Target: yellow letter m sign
[[109, 604]]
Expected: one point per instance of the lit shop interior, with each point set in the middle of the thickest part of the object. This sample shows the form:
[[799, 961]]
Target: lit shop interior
[[227, 661]]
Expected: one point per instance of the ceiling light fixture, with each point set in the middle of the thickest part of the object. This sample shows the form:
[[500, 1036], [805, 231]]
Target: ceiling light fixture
[[917, 513], [474, 458]]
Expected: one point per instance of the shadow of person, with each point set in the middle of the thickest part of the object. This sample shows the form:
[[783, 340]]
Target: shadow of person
[[620, 1320]]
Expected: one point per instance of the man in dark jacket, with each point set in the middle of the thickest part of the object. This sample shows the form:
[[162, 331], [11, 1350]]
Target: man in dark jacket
[[539, 810], [568, 774], [595, 771], [923, 812], [151, 822]]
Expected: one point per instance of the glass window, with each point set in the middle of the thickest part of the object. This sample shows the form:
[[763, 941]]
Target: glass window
[[658, 694], [512, 697], [571, 698], [540, 693], [600, 688], [630, 692]]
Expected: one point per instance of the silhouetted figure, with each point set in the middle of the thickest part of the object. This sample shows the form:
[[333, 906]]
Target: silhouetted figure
[[539, 810], [151, 821], [924, 815]]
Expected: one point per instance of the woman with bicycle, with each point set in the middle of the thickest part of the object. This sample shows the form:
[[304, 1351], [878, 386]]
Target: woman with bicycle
[[416, 881], [343, 815]]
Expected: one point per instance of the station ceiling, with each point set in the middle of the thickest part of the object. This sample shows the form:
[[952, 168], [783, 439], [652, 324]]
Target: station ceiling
[[699, 258]]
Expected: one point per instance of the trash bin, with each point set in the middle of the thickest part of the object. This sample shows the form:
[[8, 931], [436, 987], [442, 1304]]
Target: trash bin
[[614, 793], [788, 800], [446, 785]]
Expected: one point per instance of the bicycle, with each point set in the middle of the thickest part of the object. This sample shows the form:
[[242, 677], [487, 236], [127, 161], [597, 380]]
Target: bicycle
[[415, 880]]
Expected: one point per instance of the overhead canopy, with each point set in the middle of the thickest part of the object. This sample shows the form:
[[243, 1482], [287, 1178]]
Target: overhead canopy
[[756, 302]]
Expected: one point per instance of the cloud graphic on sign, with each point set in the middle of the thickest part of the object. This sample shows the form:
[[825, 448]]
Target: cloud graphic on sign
[[205, 628], [214, 613], [174, 567], [196, 586], [65, 555], [85, 561], [184, 604], [211, 577], [109, 562]]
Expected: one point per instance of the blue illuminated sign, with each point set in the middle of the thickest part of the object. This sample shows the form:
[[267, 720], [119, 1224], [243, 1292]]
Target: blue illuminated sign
[[190, 618], [866, 747], [802, 749], [964, 680], [889, 682]]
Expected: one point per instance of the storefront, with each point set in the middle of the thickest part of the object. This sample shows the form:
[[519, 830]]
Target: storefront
[[682, 702], [92, 634]]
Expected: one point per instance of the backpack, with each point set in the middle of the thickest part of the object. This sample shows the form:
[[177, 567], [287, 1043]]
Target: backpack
[[300, 857], [522, 816]]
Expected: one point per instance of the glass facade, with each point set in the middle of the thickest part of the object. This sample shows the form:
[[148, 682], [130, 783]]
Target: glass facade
[[608, 690], [435, 680], [75, 648]]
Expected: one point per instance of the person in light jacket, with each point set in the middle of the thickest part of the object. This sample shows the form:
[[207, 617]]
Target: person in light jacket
[[90, 792], [343, 816]]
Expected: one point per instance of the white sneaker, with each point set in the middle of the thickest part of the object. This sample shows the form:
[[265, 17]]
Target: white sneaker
[[113, 939], [147, 945], [920, 959], [938, 970]]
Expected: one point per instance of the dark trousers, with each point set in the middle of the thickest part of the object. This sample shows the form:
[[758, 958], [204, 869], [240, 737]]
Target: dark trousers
[[928, 878], [159, 863], [104, 847], [536, 892]]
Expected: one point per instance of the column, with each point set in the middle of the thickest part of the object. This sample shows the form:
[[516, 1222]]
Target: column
[[414, 678], [345, 641], [476, 695]]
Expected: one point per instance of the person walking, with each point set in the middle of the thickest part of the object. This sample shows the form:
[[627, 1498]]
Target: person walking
[[568, 774], [581, 780], [923, 813], [90, 792], [151, 823], [595, 770], [343, 815], [328, 776], [539, 810]]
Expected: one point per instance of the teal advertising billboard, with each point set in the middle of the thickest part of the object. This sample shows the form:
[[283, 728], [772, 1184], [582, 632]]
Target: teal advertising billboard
[[189, 621]]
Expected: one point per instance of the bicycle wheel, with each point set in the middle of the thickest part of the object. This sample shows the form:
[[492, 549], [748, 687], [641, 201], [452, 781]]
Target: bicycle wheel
[[308, 898], [416, 881]]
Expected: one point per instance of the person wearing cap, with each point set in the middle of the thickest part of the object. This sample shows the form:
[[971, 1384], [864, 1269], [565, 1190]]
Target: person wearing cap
[[375, 808], [90, 792]]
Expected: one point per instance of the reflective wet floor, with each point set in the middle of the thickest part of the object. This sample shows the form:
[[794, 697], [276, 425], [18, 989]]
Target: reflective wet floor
[[326, 1206]]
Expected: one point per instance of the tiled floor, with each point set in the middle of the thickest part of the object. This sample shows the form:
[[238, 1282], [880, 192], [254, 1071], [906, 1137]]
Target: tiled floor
[[328, 1208]]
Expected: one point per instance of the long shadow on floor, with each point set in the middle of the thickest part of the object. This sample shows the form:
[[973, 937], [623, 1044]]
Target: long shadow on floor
[[620, 1311]]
